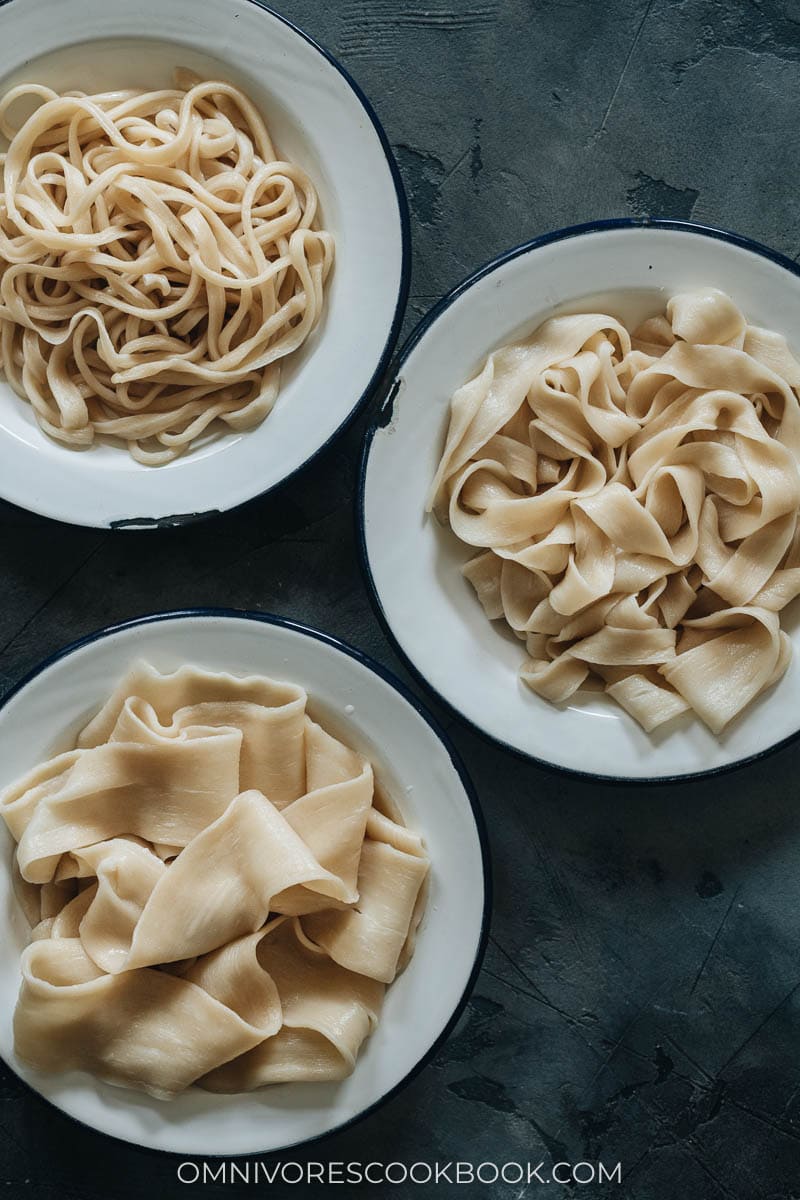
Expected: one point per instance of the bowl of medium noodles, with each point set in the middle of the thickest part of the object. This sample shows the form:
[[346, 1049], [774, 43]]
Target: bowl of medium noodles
[[579, 508], [246, 883], [203, 256]]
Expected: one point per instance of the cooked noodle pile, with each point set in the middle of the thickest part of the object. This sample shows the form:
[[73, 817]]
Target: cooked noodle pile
[[218, 890], [635, 499], [157, 261]]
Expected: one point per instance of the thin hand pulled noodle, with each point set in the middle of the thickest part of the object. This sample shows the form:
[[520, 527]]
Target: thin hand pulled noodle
[[634, 499], [218, 892], [158, 260]]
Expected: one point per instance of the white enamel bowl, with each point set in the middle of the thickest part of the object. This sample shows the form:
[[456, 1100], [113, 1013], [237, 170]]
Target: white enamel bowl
[[413, 565], [318, 118], [374, 713]]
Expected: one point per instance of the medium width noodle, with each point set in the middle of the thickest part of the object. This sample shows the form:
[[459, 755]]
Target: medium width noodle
[[635, 501], [158, 260], [219, 893]]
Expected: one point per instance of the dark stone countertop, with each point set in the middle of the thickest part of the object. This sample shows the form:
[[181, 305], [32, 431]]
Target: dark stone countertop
[[640, 998]]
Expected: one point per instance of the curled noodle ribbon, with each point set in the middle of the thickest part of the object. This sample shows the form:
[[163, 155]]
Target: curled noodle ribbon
[[635, 501]]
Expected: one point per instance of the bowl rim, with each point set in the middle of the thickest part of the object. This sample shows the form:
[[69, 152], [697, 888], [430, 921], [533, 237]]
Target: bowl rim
[[470, 792], [383, 418], [180, 520]]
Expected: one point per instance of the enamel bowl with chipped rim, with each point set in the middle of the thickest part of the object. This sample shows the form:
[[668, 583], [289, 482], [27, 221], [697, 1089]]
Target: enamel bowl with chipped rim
[[357, 700], [320, 119], [413, 565]]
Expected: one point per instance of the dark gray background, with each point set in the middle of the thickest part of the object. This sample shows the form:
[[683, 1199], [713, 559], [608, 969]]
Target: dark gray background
[[640, 999]]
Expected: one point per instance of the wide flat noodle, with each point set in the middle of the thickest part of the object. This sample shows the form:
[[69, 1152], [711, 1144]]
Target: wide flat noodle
[[158, 261], [634, 499], [163, 893], [145, 1029], [327, 1013]]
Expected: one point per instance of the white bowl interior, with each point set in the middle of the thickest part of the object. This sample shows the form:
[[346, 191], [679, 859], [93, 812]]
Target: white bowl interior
[[315, 119], [417, 770], [415, 564]]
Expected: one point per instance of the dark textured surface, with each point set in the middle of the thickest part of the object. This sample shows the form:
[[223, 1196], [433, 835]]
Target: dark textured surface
[[640, 999]]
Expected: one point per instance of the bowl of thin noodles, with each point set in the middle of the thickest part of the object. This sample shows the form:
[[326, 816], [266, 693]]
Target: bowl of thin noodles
[[202, 257], [592, 451]]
